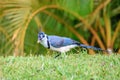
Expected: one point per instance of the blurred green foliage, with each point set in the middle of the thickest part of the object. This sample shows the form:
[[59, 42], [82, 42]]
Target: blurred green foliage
[[92, 22]]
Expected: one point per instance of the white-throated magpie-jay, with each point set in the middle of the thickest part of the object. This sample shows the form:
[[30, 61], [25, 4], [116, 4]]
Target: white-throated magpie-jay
[[60, 44]]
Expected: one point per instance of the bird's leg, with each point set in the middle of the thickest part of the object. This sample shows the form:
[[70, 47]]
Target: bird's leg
[[63, 55], [57, 55]]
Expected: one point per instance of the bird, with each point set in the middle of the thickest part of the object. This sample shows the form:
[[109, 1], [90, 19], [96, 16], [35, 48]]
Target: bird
[[61, 44]]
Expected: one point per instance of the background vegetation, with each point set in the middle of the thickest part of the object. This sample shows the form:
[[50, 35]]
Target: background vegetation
[[92, 22]]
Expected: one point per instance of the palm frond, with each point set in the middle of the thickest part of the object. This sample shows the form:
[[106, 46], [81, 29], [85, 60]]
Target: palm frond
[[14, 18]]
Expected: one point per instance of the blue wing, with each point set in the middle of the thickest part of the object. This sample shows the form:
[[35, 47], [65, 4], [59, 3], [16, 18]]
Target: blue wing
[[58, 42]]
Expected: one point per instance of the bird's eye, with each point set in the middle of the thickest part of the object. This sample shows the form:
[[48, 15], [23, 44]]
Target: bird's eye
[[43, 35]]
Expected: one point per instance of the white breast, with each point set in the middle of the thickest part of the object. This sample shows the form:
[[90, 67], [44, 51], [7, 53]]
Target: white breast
[[63, 49], [44, 42]]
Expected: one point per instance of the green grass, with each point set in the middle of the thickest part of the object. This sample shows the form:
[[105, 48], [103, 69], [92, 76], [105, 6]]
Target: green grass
[[72, 67]]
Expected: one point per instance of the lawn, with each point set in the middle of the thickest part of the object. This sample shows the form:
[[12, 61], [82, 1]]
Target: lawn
[[71, 67]]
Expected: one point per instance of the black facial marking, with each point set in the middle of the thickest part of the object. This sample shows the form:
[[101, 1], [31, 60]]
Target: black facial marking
[[41, 35]]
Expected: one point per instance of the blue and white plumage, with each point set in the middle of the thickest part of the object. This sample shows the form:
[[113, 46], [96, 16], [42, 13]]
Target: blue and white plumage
[[60, 44]]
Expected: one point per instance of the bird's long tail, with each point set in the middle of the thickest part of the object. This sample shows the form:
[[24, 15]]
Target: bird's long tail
[[91, 47]]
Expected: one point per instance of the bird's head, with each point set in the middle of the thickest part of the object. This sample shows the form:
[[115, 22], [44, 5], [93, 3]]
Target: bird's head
[[41, 36]]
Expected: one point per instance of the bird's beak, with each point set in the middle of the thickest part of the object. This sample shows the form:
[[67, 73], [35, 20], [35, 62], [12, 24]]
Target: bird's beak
[[38, 41]]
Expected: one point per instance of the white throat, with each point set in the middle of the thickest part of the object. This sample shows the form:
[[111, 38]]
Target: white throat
[[44, 42]]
